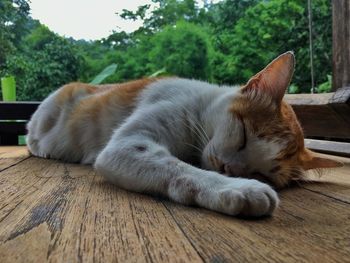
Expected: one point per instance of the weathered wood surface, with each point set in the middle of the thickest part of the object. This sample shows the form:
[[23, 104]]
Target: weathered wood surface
[[56, 212], [12, 155], [323, 115], [341, 43], [329, 147], [336, 180]]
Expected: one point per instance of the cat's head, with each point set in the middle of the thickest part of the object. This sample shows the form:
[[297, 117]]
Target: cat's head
[[259, 136]]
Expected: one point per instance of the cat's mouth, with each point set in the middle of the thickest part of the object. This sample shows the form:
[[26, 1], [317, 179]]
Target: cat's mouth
[[221, 167]]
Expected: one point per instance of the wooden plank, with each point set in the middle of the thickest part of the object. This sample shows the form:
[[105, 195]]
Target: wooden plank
[[309, 99], [341, 43], [340, 102], [12, 155], [8, 139], [13, 128], [21, 110], [29, 248], [334, 183], [321, 121], [323, 115], [12, 150], [303, 228], [88, 219], [329, 147]]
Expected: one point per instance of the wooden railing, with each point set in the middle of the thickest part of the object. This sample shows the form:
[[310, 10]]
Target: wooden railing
[[13, 119], [323, 116], [325, 119]]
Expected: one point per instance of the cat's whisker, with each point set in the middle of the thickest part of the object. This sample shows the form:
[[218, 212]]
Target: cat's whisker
[[196, 128], [202, 141], [199, 135], [195, 147], [199, 128]]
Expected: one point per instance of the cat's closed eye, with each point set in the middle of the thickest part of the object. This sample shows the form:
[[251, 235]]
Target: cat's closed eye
[[244, 137]]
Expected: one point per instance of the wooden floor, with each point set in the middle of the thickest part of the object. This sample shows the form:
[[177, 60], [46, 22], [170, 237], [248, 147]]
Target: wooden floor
[[56, 212]]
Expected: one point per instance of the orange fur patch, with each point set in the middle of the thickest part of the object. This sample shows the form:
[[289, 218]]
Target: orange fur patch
[[123, 94], [91, 108], [72, 90], [270, 121]]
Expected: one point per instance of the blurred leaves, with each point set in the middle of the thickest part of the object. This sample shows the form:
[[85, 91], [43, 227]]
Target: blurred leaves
[[104, 74], [226, 42]]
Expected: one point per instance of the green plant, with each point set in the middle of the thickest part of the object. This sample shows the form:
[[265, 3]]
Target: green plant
[[293, 89], [325, 86], [108, 71], [160, 72], [184, 50]]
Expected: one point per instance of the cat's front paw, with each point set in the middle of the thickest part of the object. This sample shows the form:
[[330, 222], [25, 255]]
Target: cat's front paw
[[250, 198]]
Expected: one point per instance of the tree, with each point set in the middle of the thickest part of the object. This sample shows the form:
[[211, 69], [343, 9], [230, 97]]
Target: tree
[[168, 12], [184, 50], [13, 17], [46, 62], [270, 28]]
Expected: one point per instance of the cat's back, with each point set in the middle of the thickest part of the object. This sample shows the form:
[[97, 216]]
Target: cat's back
[[77, 120], [176, 90]]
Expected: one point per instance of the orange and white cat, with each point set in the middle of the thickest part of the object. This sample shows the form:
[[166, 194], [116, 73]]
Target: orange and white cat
[[147, 135]]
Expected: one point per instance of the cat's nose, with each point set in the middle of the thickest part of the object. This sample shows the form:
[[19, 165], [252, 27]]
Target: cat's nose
[[235, 169]]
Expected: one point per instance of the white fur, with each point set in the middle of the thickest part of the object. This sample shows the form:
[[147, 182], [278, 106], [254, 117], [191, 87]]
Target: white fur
[[147, 148]]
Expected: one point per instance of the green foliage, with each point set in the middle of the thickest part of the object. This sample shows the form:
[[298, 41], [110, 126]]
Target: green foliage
[[168, 13], [184, 50], [270, 28], [46, 62], [260, 35], [104, 74], [325, 86], [293, 89], [13, 17], [226, 42], [160, 72], [224, 15]]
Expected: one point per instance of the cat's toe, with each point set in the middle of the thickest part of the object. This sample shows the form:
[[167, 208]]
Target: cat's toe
[[231, 201], [260, 199]]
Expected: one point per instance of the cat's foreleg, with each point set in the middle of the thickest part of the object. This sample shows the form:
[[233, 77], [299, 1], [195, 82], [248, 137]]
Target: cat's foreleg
[[137, 163]]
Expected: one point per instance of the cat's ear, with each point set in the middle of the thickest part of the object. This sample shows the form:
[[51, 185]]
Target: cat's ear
[[274, 79], [312, 160]]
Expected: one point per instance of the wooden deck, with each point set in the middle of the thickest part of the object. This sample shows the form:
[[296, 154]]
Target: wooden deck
[[56, 212]]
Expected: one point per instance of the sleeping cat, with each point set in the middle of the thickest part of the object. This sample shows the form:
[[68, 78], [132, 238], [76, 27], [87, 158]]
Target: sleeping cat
[[145, 136]]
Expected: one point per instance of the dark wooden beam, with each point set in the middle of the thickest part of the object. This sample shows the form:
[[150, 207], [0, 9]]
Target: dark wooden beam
[[13, 128], [341, 44], [323, 116], [13, 119], [22, 110]]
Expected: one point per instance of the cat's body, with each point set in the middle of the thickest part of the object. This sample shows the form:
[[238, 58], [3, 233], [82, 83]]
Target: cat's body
[[144, 134], [171, 109]]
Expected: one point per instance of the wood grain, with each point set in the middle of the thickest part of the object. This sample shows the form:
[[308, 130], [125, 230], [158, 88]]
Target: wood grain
[[329, 147], [29, 248], [88, 219], [323, 115], [56, 212], [341, 43], [306, 225], [333, 183], [11, 155]]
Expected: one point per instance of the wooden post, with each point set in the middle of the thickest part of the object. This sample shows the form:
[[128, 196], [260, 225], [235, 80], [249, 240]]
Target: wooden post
[[341, 44]]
